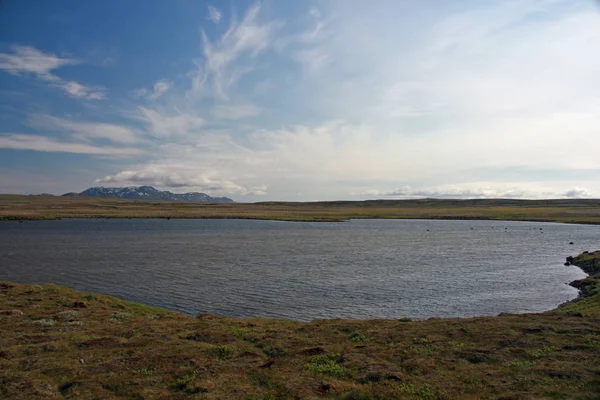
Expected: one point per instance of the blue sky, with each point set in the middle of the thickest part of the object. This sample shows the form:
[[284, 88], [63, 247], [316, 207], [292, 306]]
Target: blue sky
[[310, 100]]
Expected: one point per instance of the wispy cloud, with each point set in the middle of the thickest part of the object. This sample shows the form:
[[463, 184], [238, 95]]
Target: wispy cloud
[[244, 39], [162, 124], [159, 88], [29, 60], [214, 14], [26, 59], [235, 111], [46, 144], [86, 130], [78, 90]]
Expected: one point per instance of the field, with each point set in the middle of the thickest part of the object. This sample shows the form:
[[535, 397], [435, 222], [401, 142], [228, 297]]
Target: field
[[60, 343], [47, 207]]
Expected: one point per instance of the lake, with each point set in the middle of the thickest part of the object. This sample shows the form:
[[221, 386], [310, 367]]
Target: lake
[[302, 270]]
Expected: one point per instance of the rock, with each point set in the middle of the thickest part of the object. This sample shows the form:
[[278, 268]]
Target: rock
[[567, 264], [571, 243], [570, 260], [78, 304]]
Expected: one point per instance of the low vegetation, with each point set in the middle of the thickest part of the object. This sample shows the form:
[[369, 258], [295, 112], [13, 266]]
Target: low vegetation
[[60, 343], [13, 207]]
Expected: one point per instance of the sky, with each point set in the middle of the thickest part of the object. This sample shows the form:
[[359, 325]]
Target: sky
[[304, 100]]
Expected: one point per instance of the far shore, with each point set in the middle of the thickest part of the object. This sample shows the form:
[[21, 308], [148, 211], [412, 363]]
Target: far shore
[[575, 211]]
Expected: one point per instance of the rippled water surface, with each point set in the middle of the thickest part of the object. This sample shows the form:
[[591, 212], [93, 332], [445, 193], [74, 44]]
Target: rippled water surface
[[356, 269]]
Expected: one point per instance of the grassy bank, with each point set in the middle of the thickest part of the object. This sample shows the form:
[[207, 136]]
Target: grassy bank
[[69, 344], [13, 207]]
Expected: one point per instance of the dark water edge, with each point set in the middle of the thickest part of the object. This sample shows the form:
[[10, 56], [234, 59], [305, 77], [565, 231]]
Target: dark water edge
[[359, 269]]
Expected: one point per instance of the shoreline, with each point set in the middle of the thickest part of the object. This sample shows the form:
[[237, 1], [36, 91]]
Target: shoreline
[[276, 219]]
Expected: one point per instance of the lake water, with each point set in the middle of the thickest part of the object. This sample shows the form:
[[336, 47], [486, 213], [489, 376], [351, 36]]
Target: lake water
[[356, 269]]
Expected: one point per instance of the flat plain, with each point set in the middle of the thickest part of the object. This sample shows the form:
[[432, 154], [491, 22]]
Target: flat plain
[[16, 207]]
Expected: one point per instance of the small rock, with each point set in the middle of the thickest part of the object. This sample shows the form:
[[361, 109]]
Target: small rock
[[570, 259], [81, 361], [571, 243], [78, 304], [268, 364]]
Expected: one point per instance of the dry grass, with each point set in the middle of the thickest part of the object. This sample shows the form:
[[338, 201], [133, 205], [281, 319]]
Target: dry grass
[[40, 207], [69, 344]]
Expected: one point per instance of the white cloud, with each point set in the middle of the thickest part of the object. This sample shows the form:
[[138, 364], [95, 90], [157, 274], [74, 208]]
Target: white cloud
[[578, 193], [477, 190], [86, 130], [26, 59], [177, 176], [42, 143], [214, 14]]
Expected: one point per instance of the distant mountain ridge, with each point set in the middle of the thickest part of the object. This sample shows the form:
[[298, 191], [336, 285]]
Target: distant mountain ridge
[[149, 193]]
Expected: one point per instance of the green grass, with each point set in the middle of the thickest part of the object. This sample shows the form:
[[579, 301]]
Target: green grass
[[69, 344]]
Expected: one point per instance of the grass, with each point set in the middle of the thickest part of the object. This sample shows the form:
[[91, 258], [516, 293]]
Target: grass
[[69, 344], [15, 207]]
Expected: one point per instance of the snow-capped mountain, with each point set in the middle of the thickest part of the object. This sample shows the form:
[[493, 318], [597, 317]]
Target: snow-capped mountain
[[149, 193]]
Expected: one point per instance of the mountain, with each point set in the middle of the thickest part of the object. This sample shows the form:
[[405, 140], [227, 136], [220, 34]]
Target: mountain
[[149, 193]]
